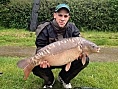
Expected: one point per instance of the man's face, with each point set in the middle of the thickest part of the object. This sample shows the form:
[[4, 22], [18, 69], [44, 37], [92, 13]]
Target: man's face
[[62, 17]]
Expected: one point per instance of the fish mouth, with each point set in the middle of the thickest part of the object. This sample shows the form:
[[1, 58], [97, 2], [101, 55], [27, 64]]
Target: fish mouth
[[98, 50]]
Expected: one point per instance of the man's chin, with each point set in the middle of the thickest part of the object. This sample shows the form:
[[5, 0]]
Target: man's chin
[[61, 26]]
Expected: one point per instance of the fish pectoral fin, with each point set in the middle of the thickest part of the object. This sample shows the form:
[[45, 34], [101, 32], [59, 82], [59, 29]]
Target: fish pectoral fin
[[83, 59], [68, 66]]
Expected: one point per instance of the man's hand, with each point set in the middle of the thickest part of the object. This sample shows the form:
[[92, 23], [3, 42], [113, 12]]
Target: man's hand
[[44, 64]]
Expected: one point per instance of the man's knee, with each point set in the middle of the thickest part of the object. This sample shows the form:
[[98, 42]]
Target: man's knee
[[36, 70]]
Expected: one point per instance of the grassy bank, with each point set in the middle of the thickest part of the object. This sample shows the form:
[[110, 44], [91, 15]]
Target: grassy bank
[[21, 37], [102, 38], [98, 74], [17, 37]]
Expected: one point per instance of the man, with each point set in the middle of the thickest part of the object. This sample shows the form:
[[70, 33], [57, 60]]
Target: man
[[58, 29]]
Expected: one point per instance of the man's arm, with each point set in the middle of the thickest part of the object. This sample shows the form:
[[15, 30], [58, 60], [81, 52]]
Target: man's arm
[[75, 30], [41, 41]]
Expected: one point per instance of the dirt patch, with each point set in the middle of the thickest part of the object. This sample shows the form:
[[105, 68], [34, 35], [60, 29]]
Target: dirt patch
[[106, 53], [17, 51]]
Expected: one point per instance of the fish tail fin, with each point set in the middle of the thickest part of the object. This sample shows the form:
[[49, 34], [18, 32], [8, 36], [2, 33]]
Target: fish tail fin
[[27, 70], [26, 66]]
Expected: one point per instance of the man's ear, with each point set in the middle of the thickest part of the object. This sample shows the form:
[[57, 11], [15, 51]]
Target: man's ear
[[54, 15], [69, 16]]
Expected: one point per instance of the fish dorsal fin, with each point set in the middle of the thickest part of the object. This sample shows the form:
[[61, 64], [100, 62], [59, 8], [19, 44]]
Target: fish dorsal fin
[[68, 66]]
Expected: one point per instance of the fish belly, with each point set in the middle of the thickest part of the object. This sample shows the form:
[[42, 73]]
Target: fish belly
[[64, 57]]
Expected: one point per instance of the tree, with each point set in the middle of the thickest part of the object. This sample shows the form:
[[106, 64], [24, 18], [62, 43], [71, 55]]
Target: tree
[[34, 15]]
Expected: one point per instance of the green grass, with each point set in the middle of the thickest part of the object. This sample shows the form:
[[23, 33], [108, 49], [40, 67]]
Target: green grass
[[96, 74], [102, 38], [22, 37], [15, 37]]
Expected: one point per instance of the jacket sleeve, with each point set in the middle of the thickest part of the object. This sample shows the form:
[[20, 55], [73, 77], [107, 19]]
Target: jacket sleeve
[[42, 39], [75, 31]]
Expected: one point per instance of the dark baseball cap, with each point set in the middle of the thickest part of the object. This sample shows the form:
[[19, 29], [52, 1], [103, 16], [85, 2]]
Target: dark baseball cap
[[58, 7]]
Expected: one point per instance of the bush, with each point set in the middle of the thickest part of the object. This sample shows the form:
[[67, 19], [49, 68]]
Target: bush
[[95, 14], [101, 15], [15, 14]]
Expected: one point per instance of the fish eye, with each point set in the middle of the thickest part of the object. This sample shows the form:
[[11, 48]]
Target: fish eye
[[93, 46]]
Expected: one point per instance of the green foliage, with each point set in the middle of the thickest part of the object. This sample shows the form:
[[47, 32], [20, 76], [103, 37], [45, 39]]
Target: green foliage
[[4, 1], [95, 14], [97, 74], [15, 14], [101, 15]]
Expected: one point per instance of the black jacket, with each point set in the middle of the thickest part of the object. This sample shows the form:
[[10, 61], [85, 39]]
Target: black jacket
[[49, 35]]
